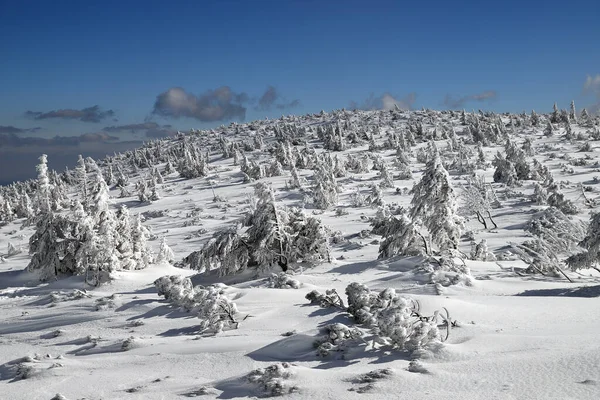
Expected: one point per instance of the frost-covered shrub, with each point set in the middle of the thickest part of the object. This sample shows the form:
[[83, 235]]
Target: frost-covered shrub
[[92, 244], [360, 303], [374, 376], [553, 234], [282, 280], [192, 163], [478, 199], [387, 180], [215, 311], [400, 235], [416, 367], [272, 380], [325, 188], [540, 195], [591, 245], [560, 232], [480, 251], [108, 302], [175, 288], [393, 317], [445, 270], [165, 254], [331, 298], [337, 338], [557, 199], [60, 296], [375, 198], [12, 250], [357, 164]]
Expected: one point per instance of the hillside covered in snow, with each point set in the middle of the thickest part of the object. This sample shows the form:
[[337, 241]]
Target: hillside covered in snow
[[350, 254]]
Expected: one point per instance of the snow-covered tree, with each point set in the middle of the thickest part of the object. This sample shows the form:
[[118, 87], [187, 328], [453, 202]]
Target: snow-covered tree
[[165, 254], [387, 180], [590, 257], [142, 256], [276, 235], [477, 200], [401, 236], [549, 130], [572, 112], [555, 116], [325, 188], [434, 204], [82, 182], [42, 198]]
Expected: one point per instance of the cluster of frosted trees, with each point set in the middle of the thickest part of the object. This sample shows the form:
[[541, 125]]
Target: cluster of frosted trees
[[270, 235], [433, 208], [88, 238]]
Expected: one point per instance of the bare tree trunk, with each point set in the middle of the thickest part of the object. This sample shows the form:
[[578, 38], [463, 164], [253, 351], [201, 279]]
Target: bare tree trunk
[[481, 219], [491, 219]]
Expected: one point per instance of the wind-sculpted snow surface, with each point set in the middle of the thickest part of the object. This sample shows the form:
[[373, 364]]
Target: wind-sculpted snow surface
[[387, 220]]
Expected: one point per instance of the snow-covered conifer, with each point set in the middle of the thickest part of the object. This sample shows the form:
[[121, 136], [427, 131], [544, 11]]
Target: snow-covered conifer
[[555, 116], [387, 180], [142, 255], [401, 237], [590, 257], [325, 189], [549, 130], [434, 203], [540, 196], [43, 190], [165, 254], [535, 119], [82, 181], [572, 112]]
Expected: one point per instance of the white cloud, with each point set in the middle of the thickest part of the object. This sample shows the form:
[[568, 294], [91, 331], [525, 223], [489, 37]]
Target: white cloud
[[592, 84]]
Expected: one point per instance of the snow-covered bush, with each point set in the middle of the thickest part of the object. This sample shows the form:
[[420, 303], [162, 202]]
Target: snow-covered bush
[[272, 380], [478, 200], [554, 234], [558, 231], [165, 254], [401, 235], [282, 280], [480, 251], [337, 338], [591, 245], [447, 269], [540, 195], [93, 243], [325, 188], [331, 298], [215, 311], [175, 288], [557, 199], [395, 320]]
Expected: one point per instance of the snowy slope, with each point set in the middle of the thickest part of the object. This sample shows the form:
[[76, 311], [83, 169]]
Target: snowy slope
[[518, 335]]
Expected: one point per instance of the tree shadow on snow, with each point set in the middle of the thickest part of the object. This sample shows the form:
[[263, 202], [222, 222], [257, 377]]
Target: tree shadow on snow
[[585, 291], [165, 310], [193, 330], [136, 303]]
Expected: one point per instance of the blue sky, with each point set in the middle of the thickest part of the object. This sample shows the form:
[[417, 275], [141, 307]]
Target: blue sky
[[126, 57]]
